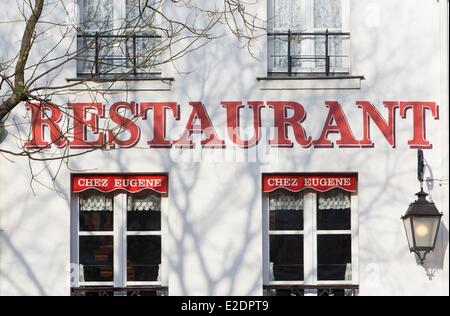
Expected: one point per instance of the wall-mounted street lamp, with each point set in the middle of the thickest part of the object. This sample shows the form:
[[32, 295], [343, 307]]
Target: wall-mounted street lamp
[[422, 220]]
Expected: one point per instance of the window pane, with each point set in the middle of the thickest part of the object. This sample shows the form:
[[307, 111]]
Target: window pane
[[96, 258], [286, 257], [287, 15], [144, 212], [96, 212], [139, 12], [279, 56], [327, 13], [335, 51], [334, 257], [334, 210], [286, 211], [96, 15], [144, 258]]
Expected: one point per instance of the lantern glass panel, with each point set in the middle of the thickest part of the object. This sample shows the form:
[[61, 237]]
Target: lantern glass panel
[[425, 229], [409, 233]]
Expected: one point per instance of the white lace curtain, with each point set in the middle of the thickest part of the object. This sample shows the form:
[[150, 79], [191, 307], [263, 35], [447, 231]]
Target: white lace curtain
[[285, 201], [138, 202], [328, 14], [144, 202], [138, 11], [288, 15], [96, 203], [334, 200], [96, 15], [115, 53]]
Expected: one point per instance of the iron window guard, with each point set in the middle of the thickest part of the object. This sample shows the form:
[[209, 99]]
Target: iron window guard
[[126, 63], [111, 291], [322, 290], [297, 37]]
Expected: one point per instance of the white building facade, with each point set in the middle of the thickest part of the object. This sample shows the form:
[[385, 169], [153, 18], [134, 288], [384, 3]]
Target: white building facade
[[305, 198]]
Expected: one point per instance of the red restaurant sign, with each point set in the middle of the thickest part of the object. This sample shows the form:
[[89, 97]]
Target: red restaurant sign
[[110, 183], [299, 182], [124, 116]]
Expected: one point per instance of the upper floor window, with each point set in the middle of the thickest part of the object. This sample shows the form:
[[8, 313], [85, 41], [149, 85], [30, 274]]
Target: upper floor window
[[117, 38], [309, 37]]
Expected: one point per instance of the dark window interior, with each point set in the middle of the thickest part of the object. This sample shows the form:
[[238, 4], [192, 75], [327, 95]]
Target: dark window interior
[[96, 221], [96, 256], [333, 219], [286, 254], [333, 256], [144, 220], [143, 257], [286, 220]]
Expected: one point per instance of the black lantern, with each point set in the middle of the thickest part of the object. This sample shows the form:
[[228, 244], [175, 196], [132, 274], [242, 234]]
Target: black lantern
[[422, 220]]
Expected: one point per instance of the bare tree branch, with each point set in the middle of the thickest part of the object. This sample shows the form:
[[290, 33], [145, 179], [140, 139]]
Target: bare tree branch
[[19, 93], [32, 75]]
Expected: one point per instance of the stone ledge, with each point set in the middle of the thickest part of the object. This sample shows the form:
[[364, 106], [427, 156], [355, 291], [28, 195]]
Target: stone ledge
[[311, 83], [117, 85]]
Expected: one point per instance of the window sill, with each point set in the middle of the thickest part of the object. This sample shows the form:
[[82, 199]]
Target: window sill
[[121, 84], [310, 82]]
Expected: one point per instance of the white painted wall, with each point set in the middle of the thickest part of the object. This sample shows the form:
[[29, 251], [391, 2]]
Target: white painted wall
[[400, 46]]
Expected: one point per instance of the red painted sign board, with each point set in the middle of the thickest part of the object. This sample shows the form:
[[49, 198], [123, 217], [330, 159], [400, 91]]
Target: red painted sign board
[[318, 182], [125, 116], [128, 182]]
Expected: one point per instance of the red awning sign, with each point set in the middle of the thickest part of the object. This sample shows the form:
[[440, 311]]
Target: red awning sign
[[111, 183], [321, 183]]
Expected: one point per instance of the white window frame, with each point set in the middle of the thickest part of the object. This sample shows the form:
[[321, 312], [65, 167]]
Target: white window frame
[[309, 45], [266, 225], [118, 22], [310, 234], [119, 234]]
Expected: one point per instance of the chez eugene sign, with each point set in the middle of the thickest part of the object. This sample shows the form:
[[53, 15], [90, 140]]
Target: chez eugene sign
[[47, 131], [108, 183], [135, 183]]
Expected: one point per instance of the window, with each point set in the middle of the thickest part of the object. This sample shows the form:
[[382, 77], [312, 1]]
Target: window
[[117, 39], [311, 247], [118, 244], [333, 235], [286, 236], [96, 235], [309, 37], [143, 237]]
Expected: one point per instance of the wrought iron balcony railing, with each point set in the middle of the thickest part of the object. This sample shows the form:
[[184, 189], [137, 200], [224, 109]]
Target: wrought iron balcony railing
[[115, 291], [269, 290], [103, 55], [319, 290], [315, 53]]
